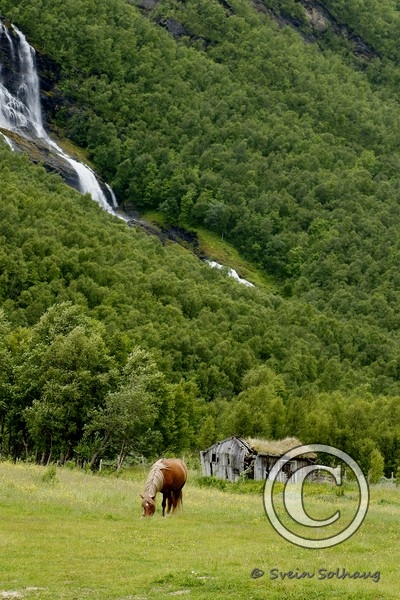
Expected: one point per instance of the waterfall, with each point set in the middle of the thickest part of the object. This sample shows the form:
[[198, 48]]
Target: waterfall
[[7, 141], [19, 88], [88, 183], [20, 108], [231, 273], [112, 196]]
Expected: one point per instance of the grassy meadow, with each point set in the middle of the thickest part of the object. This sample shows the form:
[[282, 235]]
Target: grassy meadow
[[66, 534]]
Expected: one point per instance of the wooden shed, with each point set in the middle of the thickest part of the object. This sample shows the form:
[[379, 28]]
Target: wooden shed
[[228, 459], [271, 452], [253, 458]]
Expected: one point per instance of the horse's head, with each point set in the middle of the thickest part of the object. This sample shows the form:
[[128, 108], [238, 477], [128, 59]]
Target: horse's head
[[149, 505]]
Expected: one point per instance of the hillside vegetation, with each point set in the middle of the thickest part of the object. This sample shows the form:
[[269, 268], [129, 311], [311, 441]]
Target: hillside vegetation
[[283, 143]]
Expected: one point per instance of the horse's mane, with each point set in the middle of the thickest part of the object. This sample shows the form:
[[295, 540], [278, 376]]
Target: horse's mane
[[155, 479]]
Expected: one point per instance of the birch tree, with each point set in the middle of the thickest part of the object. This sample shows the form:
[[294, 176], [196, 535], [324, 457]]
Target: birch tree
[[125, 423]]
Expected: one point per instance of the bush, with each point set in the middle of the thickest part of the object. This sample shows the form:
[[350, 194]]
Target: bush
[[398, 476], [377, 467], [50, 475]]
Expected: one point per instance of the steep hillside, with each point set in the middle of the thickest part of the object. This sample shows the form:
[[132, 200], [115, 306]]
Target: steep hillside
[[261, 121], [237, 124]]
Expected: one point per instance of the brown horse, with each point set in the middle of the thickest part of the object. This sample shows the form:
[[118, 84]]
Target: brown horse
[[168, 476]]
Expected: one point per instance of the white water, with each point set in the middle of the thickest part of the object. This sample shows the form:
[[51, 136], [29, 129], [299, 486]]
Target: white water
[[113, 197], [231, 273], [7, 141], [4, 31], [20, 111], [88, 183]]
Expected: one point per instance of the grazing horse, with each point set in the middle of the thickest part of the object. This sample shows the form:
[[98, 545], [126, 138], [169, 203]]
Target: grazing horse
[[168, 476]]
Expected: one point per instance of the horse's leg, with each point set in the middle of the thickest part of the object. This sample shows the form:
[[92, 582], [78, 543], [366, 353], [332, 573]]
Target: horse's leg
[[164, 501], [170, 501], [174, 500]]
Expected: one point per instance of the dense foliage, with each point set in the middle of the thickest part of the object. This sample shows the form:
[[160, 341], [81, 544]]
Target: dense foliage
[[113, 344], [288, 151]]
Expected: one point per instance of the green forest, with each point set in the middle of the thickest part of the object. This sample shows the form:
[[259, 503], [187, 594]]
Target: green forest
[[277, 131]]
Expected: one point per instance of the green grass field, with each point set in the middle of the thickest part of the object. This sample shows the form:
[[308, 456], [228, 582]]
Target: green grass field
[[80, 536]]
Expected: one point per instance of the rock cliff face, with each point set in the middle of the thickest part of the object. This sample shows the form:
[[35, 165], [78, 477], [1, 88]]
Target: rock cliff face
[[151, 4], [38, 152], [312, 24], [320, 20], [145, 4], [51, 97], [174, 27], [7, 74]]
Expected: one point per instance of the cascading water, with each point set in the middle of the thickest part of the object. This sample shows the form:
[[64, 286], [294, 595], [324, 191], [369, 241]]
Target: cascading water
[[231, 273], [20, 108], [7, 141], [112, 196], [20, 112]]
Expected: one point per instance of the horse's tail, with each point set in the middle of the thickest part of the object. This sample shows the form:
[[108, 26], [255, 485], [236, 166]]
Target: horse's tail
[[177, 499]]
